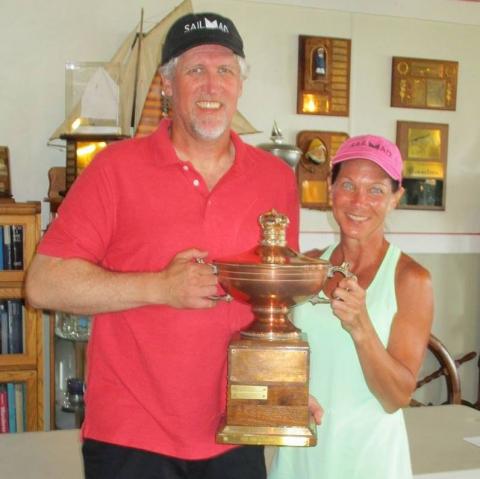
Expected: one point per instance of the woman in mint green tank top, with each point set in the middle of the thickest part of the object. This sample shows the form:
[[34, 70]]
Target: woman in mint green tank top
[[368, 344]]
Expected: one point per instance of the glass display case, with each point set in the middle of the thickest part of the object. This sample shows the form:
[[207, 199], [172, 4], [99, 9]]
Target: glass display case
[[70, 340], [92, 98]]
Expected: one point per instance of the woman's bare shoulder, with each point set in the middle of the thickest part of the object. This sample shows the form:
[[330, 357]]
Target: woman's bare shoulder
[[411, 274]]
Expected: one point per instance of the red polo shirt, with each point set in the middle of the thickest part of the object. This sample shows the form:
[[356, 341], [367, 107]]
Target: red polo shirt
[[157, 375]]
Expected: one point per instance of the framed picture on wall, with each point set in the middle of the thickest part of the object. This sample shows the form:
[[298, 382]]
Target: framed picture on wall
[[5, 187], [424, 148]]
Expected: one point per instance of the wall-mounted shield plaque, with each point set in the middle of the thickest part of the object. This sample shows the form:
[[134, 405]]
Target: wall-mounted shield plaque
[[314, 168], [323, 76], [422, 83]]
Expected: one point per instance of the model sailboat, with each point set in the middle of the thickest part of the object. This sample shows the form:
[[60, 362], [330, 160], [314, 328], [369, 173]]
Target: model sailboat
[[140, 102]]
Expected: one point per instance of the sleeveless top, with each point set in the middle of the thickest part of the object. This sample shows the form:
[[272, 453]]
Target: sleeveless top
[[357, 438]]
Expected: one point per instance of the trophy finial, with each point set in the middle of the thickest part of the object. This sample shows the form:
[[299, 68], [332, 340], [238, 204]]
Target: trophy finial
[[274, 228]]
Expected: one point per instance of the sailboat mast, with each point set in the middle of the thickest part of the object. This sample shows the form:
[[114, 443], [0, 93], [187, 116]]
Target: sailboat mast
[[137, 69]]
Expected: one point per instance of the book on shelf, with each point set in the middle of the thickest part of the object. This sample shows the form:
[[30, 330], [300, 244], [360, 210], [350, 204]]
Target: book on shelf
[[21, 405], [17, 246], [3, 409], [7, 247], [12, 247], [3, 328], [15, 326], [1, 249], [12, 414], [12, 327]]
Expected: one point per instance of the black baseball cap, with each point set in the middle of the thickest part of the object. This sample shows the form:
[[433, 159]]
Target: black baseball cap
[[196, 29]]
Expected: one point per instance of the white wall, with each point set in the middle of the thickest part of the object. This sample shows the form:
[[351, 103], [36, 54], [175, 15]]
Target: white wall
[[35, 44], [38, 38]]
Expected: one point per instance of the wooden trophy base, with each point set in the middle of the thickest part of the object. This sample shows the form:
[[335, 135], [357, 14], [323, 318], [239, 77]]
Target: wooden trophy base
[[267, 401]]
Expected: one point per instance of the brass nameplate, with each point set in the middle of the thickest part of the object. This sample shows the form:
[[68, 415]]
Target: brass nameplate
[[423, 169], [248, 392]]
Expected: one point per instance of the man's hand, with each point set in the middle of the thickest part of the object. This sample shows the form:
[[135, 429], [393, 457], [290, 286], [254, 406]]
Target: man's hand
[[188, 283], [315, 409]]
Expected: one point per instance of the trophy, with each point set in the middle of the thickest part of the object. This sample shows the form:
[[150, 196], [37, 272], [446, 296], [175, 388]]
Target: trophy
[[268, 364]]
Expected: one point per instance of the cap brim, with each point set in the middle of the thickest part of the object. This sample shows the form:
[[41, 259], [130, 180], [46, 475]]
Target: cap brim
[[362, 155]]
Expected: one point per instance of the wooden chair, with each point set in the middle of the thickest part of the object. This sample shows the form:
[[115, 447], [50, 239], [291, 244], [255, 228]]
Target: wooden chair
[[56, 182], [56, 187], [476, 404], [448, 369]]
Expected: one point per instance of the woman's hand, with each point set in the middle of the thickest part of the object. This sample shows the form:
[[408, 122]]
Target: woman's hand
[[349, 305]]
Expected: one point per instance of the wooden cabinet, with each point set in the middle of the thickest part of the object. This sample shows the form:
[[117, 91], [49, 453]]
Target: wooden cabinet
[[25, 368]]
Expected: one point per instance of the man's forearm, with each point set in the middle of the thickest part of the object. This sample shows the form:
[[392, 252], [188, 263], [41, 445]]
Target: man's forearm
[[80, 287]]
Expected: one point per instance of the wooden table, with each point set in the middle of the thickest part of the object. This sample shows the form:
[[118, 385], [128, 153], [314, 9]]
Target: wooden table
[[436, 442]]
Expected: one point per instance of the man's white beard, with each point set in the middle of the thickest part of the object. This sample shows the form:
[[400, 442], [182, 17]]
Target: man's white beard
[[209, 132]]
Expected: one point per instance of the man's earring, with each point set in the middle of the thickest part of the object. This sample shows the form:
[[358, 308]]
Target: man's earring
[[165, 104]]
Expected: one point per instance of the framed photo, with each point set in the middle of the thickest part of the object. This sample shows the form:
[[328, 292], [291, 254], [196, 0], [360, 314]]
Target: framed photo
[[314, 167], [424, 148], [5, 187], [323, 76], [422, 83]]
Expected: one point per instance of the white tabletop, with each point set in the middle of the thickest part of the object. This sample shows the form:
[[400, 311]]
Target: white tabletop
[[436, 442], [41, 455], [437, 445]]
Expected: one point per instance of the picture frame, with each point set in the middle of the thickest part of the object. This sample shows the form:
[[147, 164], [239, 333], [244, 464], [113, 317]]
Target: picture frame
[[424, 83], [5, 183], [314, 167], [424, 149], [323, 86]]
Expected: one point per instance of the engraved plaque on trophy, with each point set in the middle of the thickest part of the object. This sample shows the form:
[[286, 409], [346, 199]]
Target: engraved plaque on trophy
[[268, 364]]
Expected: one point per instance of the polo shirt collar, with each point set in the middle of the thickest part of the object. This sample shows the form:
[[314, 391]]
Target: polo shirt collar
[[168, 156]]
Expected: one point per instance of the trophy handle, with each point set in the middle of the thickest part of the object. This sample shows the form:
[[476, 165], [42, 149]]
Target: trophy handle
[[344, 269], [216, 297]]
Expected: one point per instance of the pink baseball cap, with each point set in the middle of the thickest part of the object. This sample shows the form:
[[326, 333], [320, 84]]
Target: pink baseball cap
[[374, 148]]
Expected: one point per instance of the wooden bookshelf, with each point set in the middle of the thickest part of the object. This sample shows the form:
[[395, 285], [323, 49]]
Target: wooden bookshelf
[[27, 367]]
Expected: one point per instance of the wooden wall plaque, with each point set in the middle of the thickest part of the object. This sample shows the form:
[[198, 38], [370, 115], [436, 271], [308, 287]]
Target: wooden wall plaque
[[422, 83], [424, 148], [314, 168], [323, 76]]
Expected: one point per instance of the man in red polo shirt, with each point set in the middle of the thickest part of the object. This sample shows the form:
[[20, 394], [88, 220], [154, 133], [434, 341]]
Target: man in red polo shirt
[[123, 249]]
